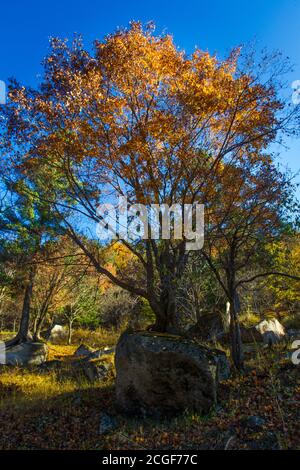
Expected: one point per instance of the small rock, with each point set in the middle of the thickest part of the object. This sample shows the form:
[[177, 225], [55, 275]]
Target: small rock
[[102, 352], [83, 350], [293, 334], [107, 424], [254, 422]]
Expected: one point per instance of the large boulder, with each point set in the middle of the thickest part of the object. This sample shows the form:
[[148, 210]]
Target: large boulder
[[208, 327], [159, 374], [57, 333], [250, 335], [78, 369], [26, 354]]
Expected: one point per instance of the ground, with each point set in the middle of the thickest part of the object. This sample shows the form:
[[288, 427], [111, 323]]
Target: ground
[[259, 409]]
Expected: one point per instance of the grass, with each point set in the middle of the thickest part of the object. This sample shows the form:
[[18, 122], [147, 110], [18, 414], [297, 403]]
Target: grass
[[292, 321], [249, 318]]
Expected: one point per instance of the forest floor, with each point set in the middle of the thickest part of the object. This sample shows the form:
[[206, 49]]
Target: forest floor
[[257, 410]]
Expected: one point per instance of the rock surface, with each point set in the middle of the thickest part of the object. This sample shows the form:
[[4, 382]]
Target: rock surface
[[107, 424], [92, 370], [57, 333], [207, 327], [271, 331], [26, 354], [158, 374]]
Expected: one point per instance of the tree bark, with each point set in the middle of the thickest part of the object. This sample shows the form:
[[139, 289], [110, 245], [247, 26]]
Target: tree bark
[[235, 333], [165, 312], [70, 332]]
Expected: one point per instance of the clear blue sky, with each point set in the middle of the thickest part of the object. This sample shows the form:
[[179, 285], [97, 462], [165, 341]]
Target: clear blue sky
[[216, 25]]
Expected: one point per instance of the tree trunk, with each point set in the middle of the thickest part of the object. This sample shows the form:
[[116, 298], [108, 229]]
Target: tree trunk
[[165, 312], [23, 333], [38, 324], [235, 333], [226, 318]]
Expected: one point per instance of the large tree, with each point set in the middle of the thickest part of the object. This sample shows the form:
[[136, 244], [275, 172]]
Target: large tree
[[241, 223], [140, 118]]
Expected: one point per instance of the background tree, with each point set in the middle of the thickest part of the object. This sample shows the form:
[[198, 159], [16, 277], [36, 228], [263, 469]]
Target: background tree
[[143, 119]]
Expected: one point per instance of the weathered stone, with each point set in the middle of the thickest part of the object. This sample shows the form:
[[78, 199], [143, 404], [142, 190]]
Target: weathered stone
[[26, 354], [208, 327], [107, 424], [83, 350], [272, 331], [267, 332], [253, 422], [223, 365], [158, 373]]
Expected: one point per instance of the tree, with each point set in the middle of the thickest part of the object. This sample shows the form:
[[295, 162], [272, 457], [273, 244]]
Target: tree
[[143, 119], [59, 269]]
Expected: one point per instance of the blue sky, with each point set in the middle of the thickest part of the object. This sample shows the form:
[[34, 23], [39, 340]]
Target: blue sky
[[215, 25]]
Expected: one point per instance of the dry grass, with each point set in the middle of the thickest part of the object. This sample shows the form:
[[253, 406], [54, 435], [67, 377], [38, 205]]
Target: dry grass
[[249, 319]]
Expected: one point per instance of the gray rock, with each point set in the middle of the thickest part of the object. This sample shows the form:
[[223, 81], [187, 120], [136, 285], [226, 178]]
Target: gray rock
[[159, 373], [208, 327], [26, 354], [83, 350], [94, 371], [272, 331], [107, 424], [267, 332], [101, 352], [50, 365]]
